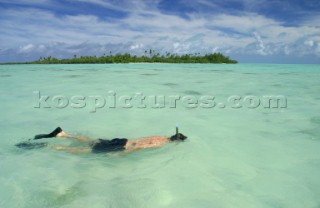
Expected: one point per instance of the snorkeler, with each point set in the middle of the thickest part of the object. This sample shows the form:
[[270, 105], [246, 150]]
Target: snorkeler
[[104, 145]]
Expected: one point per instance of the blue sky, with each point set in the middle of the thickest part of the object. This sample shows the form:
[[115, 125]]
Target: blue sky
[[263, 31]]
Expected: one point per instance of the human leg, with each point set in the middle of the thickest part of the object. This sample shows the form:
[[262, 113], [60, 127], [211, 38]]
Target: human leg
[[58, 132], [62, 134], [74, 150], [50, 135]]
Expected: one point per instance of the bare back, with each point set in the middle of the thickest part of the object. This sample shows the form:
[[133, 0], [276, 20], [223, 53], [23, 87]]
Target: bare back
[[147, 142]]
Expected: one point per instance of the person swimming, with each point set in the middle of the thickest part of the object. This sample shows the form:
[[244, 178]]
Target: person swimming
[[104, 145]]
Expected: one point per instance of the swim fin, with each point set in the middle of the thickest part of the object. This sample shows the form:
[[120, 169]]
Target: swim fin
[[52, 134], [29, 145]]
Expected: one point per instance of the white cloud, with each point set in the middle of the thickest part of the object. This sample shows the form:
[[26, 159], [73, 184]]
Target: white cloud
[[309, 43], [26, 48], [136, 46], [124, 5], [262, 48], [245, 23], [215, 49], [287, 51]]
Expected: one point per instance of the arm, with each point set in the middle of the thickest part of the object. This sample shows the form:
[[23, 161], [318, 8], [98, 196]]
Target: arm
[[132, 150], [127, 151]]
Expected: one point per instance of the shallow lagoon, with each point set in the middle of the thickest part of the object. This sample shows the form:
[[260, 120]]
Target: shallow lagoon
[[234, 157]]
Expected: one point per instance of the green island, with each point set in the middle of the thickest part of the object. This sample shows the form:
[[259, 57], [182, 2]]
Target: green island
[[149, 57]]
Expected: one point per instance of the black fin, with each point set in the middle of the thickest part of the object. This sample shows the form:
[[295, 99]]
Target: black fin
[[29, 145], [52, 134]]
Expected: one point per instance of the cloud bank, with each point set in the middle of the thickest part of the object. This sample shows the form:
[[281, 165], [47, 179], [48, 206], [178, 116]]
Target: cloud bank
[[34, 29]]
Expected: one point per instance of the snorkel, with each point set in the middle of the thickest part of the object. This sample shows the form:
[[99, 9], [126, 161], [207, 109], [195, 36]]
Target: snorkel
[[177, 128], [177, 131], [178, 136]]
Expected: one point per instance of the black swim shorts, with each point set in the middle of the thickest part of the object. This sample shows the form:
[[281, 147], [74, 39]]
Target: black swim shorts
[[105, 145]]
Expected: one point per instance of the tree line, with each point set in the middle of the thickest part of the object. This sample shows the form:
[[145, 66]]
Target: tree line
[[148, 57]]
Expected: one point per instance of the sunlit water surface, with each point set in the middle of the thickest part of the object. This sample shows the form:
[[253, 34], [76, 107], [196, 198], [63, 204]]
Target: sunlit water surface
[[233, 157]]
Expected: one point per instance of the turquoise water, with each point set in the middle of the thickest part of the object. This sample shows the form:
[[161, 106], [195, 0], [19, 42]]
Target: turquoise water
[[234, 157]]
